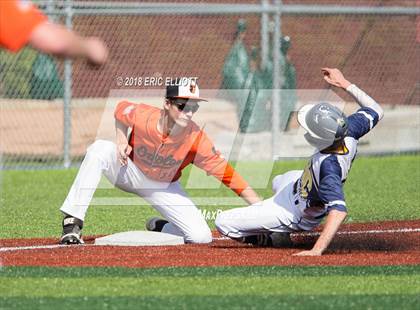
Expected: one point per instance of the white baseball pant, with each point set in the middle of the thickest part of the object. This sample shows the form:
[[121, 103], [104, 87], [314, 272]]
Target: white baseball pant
[[169, 199], [276, 214]]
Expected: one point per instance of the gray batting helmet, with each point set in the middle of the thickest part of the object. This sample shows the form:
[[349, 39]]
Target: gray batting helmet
[[325, 124]]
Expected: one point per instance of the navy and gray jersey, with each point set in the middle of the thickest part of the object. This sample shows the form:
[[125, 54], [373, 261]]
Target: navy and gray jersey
[[321, 184]]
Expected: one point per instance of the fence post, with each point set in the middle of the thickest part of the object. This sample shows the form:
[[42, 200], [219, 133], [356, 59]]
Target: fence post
[[67, 95], [275, 116], [264, 35]]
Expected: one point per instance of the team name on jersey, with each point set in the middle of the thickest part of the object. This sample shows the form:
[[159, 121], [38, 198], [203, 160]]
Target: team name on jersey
[[153, 159]]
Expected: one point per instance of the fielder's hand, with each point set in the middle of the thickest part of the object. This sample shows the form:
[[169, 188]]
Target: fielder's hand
[[335, 77], [124, 149]]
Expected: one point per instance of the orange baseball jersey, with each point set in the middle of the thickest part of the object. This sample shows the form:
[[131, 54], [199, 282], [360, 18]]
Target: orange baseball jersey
[[163, 158], [17, 21]]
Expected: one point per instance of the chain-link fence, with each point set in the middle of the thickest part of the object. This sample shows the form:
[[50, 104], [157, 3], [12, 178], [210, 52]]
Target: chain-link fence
[[270, 44]]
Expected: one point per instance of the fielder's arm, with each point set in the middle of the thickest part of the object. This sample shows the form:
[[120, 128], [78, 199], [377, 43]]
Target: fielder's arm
[[125, 117], [211, 161], [123, 148], [250, 196], [334, 220]]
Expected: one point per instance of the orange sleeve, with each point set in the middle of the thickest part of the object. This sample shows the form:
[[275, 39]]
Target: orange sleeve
[[125, 112], [211, 161], [17, 21]]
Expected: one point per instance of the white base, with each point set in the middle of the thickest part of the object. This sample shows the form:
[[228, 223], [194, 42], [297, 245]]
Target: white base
[[140, 238]]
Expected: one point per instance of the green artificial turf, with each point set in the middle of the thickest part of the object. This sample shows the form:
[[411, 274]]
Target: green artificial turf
[[208, 288], [202, 286], [236, 302], [378, 188], [181, 272]]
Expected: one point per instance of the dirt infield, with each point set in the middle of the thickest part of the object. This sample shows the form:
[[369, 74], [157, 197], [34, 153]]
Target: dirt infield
[[368, 244]]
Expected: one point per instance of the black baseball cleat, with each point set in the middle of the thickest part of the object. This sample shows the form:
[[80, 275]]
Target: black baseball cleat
[[261, 240], [155, 224], [72, 231], [275, 240]]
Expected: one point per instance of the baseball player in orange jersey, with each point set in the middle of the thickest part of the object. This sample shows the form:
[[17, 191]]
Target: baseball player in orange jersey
[[22, 23], [149, 163]]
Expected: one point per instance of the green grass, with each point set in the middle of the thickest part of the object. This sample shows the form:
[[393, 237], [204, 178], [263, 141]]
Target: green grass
[[238, 302], [209, 288], [382, 188]]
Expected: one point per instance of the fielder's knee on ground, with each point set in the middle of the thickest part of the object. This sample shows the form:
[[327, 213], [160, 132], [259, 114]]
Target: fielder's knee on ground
[[199, 237], [190, 233]]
